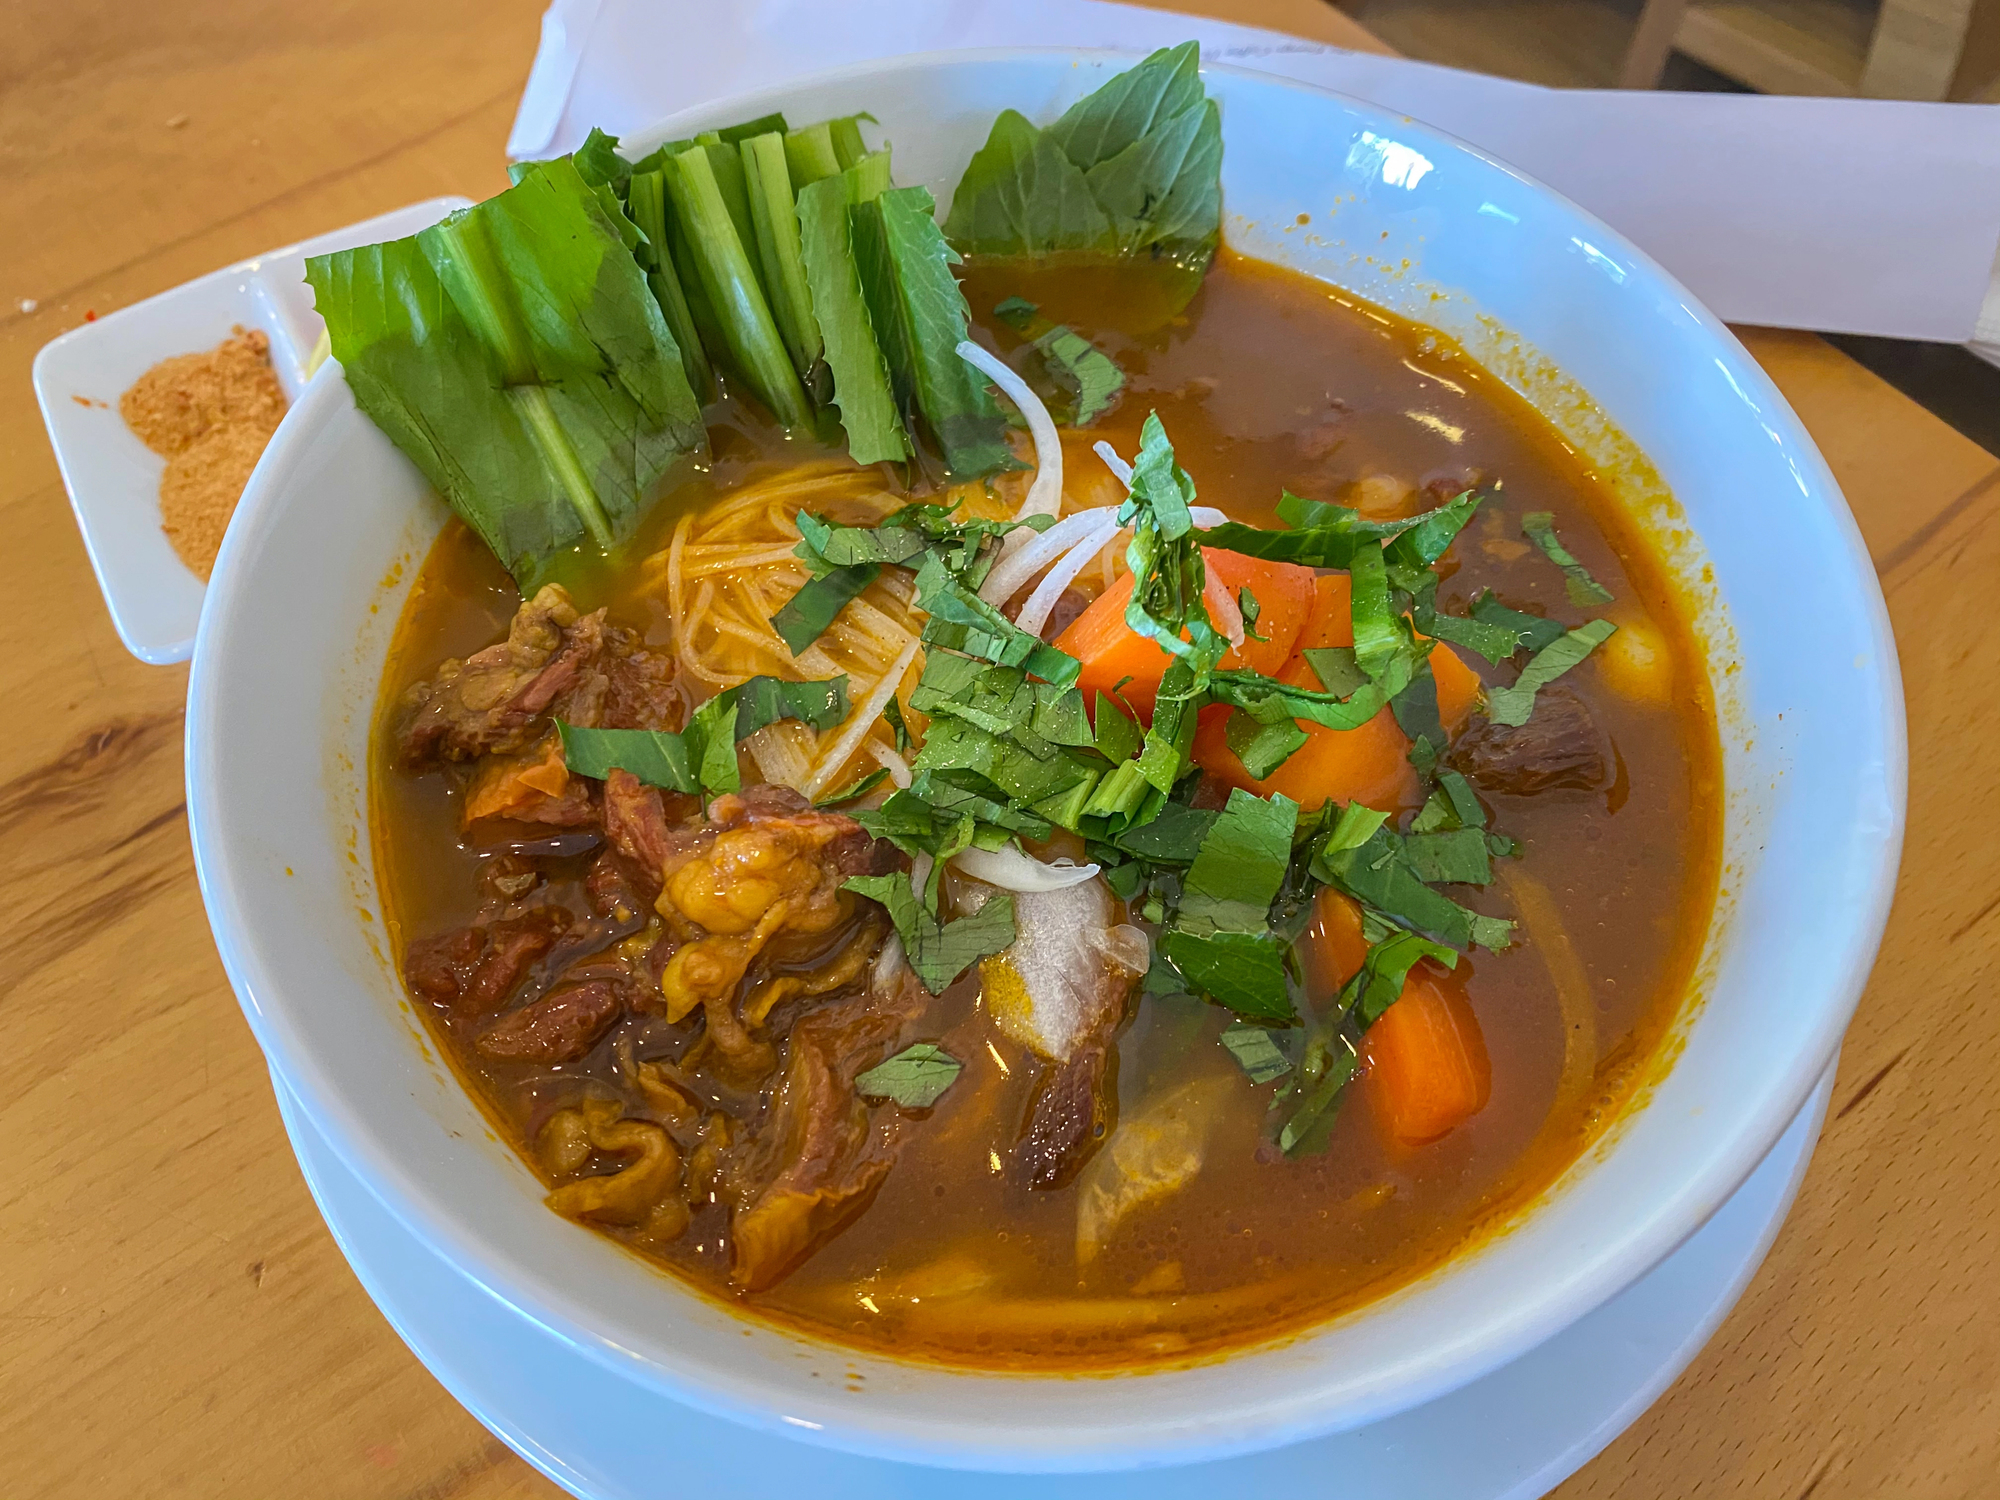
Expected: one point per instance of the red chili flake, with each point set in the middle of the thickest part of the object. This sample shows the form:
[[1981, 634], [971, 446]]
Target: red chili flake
[[90, 315]]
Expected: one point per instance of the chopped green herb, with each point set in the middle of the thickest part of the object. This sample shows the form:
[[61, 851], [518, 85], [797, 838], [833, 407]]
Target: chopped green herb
[[939, 952], [1260, 1057], [854, 790], [1262, 748], [1241, 971], [805, 617], [1584, 591], [1528, 630], [1512, 706], [914, 1078], [1242, 862], [1338, 672], [1085, 373], [899, 731]]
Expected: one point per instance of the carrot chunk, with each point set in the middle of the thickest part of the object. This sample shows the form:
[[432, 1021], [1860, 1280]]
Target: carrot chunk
[[1427, 1069], [1111, 651]]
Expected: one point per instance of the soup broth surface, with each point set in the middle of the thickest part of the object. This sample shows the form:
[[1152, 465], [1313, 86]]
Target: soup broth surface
[[1268, 381]]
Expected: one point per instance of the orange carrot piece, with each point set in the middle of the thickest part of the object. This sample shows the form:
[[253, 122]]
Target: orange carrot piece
[[1111, 650], [1427, 1069], [513, 786], [1457, 684], [1368, 765]]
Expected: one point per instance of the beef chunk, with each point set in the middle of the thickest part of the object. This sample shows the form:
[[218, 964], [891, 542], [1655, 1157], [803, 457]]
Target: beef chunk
[[821, 1155], [473, 969], [1559, 746], [1070, 1116], [560, 1027], [494, 700]]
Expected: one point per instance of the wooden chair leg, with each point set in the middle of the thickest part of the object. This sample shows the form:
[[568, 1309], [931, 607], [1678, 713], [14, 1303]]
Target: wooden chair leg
[[1652, 40], [1916, 47]]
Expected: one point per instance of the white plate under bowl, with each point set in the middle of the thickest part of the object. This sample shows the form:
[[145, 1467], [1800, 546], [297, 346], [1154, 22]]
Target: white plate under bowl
[[113, 479], [1511, 1435], [325, 547]]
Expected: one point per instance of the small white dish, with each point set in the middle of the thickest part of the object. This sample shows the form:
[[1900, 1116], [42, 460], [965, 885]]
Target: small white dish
[[1515, 1434], [325, 550], [113, 479]]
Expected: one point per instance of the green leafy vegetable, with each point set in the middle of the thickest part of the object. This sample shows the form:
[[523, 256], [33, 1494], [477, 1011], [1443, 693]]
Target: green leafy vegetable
[[939, 952], [1260, 1057], [1242, 862], [775, 214], [919, 315], [854, 790], [1528, 630], [1262, 748], [962, 621], [1512, 706], [721, 244], [860, 374], [1378, 872], [1584, 591], [804, 617], [1241, 971], [914, 1078], [1085, 373], [647, 203], [1456, 856], [703, 755], [1331, 1063], [1134, 168], [516, 353]]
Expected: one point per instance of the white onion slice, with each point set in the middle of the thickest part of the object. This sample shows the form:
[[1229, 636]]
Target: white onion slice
[[1113, 462], [1035, 613], [1017, 567], [894, 764], [1045, 494], [859, 723], [1223, 606], [1013, 869]]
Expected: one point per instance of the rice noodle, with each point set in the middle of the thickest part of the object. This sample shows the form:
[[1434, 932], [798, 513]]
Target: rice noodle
[[1045, 494], [1035, 613], [1005, 581], [1013, 869], [860, 722]]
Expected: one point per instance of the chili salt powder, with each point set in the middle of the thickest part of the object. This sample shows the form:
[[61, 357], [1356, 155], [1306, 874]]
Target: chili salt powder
[[209, 415]]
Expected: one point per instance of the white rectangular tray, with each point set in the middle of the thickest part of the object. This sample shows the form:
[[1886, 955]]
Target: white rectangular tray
[[114, 479]]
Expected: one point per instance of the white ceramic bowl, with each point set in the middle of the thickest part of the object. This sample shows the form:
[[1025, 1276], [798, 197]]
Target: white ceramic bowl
[[321, 555]]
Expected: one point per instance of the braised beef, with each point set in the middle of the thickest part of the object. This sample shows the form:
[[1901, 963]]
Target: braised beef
[[473, 970], [560, 1027], [820, 1155], [1560, 746], [1069, 1118]]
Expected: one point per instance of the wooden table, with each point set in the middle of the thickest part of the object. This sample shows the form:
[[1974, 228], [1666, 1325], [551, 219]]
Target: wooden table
[[175, 1320]]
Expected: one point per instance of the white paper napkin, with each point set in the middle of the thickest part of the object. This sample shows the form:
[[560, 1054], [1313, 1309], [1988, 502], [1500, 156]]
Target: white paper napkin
[[1841, 215]]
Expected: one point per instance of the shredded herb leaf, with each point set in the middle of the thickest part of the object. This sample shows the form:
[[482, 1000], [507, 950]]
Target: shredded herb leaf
[[702, 757], [1255, 1051], [939, 952], [1584, 591], [1088, 376], [914, 1078], [1514, 705], [805, 617], [1531, 631], [1242, 862], [1241, 971]]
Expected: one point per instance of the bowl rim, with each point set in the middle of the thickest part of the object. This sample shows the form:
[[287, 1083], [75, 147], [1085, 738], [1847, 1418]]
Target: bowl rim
[[1505, 1335]]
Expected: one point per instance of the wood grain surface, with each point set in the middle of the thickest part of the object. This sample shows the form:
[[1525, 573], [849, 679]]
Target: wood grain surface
[[175, 1320]]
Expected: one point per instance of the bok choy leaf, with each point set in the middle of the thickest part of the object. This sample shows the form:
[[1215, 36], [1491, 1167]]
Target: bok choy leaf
[[516, 353]]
